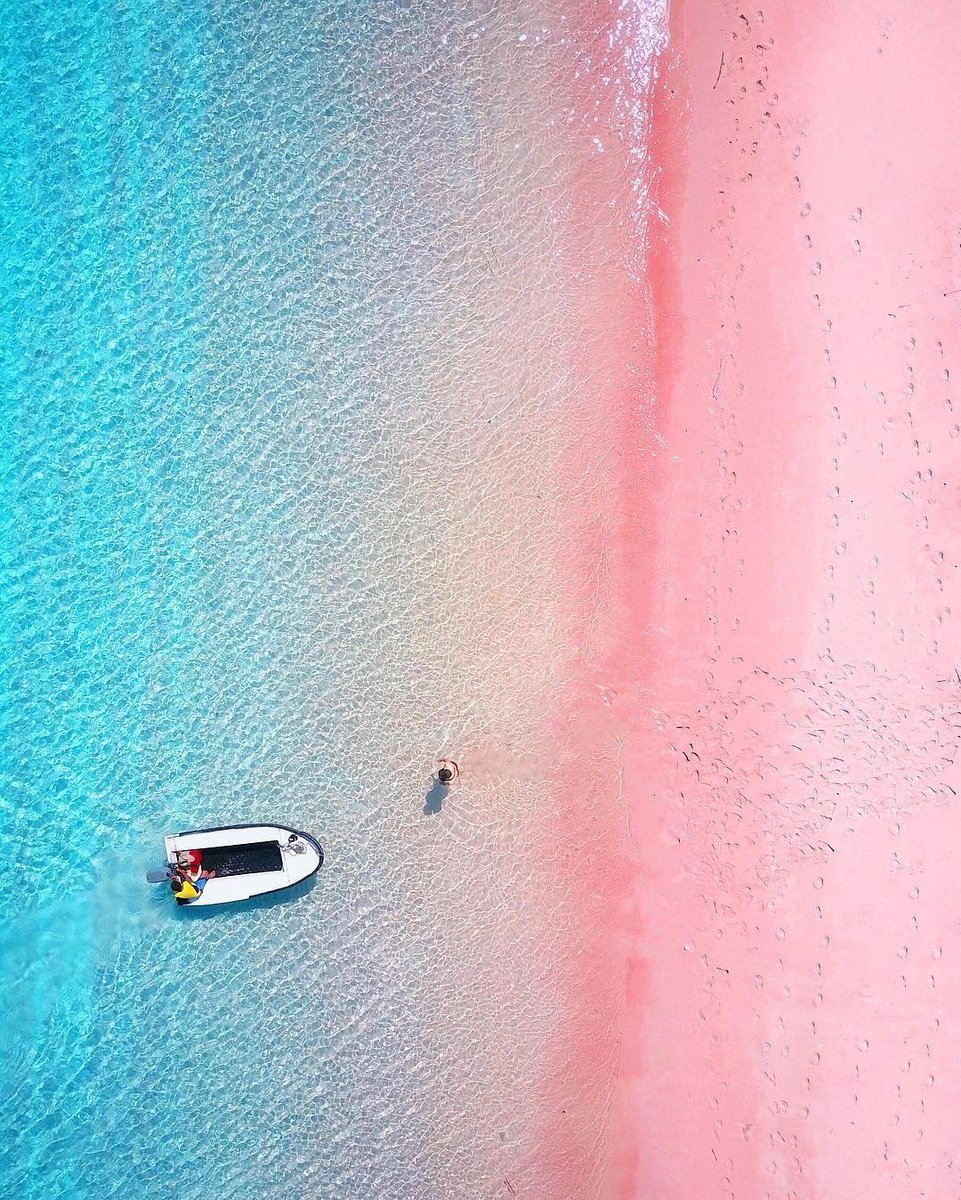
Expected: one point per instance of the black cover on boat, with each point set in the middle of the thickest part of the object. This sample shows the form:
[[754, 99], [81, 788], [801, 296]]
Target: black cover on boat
[[243, 860]]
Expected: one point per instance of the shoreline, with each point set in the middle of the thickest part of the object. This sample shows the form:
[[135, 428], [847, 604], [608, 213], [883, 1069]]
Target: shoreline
[[790, 742]]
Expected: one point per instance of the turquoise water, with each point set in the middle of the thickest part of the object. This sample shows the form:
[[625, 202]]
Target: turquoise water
[[245, 283]]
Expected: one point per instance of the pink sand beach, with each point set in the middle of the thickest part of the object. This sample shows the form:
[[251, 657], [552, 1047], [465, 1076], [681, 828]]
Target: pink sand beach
[[780, 682]]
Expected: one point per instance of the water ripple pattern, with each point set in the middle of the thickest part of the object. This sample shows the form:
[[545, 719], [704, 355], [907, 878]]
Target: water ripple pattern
[[283, 397]]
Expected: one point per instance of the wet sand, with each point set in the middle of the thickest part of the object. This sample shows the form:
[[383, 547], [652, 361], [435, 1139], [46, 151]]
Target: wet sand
[[789, 768]]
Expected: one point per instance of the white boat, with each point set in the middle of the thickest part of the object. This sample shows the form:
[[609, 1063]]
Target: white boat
[[244, 860]]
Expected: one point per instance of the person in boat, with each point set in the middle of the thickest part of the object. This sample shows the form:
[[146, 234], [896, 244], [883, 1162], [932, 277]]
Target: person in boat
[[186, 889], [447, 771], [189, 863]]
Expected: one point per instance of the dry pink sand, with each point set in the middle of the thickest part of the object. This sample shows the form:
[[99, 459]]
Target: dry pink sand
[[791, 1027]]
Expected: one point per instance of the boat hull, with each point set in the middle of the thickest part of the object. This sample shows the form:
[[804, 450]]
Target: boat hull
[[247, 860]]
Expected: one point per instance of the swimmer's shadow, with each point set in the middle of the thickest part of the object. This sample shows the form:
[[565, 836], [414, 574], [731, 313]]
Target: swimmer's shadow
[[434, 800]]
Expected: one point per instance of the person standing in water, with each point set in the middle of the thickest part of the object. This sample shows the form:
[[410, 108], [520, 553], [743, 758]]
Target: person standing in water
[[447, 771]]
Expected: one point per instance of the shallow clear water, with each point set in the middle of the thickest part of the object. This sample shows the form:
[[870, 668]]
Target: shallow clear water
[[281, 505]]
